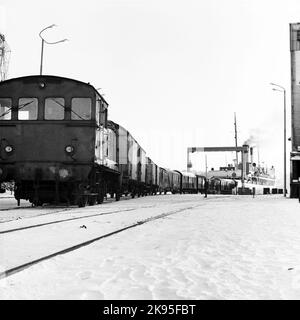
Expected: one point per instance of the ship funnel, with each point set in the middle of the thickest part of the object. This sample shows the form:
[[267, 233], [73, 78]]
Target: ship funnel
[[245, 158], [251, 155]]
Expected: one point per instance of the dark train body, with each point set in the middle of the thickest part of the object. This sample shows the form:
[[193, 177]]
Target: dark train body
[[57, 145]]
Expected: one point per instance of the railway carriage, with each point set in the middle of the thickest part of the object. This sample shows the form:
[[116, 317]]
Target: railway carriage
[[175, 179], [131, 160], [214, 185], [188, 182], [52, 140], [141, 169], [164, 181], [221, 185], [151, 176], [201, 183], [227, 186]]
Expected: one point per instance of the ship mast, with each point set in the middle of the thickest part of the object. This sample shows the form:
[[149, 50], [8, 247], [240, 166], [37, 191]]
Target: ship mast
[[236, 144]]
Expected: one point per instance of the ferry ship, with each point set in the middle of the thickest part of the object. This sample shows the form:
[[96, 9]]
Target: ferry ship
[[250, 177]]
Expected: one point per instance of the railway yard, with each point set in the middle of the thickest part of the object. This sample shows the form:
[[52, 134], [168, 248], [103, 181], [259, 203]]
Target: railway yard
[[155, 247]]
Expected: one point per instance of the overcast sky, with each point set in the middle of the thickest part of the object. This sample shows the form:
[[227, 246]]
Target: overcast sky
[[173, 72]]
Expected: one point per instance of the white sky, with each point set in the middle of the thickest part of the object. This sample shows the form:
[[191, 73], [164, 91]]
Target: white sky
[[173, 72]]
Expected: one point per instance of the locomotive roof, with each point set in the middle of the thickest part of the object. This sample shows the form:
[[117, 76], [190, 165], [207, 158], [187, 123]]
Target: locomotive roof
[[53, 78]]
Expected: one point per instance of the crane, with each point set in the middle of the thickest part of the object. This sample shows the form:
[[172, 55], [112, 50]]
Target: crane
[[4, 57]]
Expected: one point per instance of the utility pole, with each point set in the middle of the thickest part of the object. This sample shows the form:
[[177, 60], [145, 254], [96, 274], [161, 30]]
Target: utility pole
[[44, 41], [206, 182], [282, 89], [206, 166]]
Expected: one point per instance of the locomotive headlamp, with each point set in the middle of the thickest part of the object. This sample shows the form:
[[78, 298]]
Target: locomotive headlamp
[[69, 149], [8, 149], [63, 173]]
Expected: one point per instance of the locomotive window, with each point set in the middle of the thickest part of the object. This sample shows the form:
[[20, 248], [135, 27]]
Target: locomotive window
[[28, 109], [81, 109], [54, 108], [5, 108]]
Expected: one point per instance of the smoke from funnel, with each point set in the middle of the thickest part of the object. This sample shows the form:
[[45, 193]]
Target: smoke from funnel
[[252, 140]]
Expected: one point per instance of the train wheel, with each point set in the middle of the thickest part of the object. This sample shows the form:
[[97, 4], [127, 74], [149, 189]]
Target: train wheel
[[92, 200], [100, 197], [37, 203]]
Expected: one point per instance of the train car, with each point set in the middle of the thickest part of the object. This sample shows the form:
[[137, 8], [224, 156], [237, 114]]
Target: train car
[[227, 186], [111, 159], [141, 169], [174, 181], [52, 140], [214, 185], [169, 181], [151, 177], [188, 182], [201, 183], [131, 160], [164, 181], [221, 186]]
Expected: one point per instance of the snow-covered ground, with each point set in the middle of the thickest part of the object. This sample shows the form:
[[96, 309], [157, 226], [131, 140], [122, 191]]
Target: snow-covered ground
[[222, 247]]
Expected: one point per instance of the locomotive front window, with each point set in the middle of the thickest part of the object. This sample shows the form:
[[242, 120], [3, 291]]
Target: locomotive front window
[[28, 109], [5, 108], [81, 109], [54, 108]]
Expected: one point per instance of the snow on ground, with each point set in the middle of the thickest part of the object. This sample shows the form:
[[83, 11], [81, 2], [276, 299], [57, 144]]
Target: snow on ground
[[228, 247], [21, 247]]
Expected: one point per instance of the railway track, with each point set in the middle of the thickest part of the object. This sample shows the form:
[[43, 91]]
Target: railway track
[[29, 206], [7, 219], [15, 208], [45, 207], [21, 267], [61, 210], [62, 220]]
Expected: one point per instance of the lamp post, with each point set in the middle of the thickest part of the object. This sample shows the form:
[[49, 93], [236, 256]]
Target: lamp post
[[43, 40], [282, 89]]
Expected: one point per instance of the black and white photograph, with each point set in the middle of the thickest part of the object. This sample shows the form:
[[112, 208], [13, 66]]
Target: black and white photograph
[[150, 150]]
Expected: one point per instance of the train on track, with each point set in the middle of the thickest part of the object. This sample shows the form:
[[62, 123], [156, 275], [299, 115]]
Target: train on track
[[58, 146]]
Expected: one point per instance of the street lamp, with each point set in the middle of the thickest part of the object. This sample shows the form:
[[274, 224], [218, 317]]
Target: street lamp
[[43, 40], [282, 89]]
